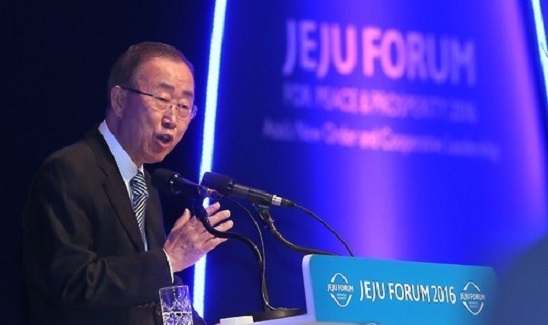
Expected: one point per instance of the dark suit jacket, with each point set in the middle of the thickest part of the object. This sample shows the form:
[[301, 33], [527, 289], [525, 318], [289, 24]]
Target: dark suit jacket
[[84, 260]]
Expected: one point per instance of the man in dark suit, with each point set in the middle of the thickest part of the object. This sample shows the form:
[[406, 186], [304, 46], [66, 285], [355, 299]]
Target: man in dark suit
[[94, 248]]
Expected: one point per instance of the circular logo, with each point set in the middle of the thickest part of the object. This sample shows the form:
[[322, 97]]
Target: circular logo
[[472, 298], [340, 290]]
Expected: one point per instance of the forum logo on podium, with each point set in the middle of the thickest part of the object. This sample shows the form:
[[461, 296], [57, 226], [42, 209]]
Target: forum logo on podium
[[340, 290]]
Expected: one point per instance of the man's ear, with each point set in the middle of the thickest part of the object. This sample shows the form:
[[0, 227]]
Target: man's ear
[[117, 100]]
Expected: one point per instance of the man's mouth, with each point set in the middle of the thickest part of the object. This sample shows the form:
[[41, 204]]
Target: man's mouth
[[165, 138]]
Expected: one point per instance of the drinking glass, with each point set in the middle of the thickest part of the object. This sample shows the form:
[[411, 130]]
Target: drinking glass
[[176, 305]]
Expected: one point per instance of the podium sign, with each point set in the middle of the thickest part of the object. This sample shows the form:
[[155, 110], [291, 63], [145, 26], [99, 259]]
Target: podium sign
[[371, 291]]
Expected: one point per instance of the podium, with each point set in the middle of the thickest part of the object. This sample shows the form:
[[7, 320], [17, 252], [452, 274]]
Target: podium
[[349, 290]]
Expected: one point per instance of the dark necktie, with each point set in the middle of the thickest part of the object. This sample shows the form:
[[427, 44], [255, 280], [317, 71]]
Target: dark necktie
[[140, 196]]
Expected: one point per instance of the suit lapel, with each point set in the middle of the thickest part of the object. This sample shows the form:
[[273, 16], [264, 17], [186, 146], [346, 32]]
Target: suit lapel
[[154, 220], [115, 188]]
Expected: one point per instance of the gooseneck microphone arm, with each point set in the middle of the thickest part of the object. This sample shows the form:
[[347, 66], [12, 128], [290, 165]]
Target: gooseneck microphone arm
[[264, 285], [201, 214], [264, 213]]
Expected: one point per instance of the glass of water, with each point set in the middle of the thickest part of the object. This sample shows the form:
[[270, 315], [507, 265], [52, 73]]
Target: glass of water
[[176, 305]]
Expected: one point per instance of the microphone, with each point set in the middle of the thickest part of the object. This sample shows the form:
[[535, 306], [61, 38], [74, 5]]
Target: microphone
[[226, 186], [172, 182]]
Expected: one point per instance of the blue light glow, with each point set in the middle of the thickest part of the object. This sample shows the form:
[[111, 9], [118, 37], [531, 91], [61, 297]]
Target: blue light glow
[[209, 132], [541, 38]]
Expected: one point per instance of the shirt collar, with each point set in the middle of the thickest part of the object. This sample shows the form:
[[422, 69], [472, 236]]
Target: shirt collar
[[126, 166]]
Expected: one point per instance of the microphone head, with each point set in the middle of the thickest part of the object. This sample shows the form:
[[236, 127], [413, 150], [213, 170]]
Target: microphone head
[[162, 180], [220, 183], [171, 182]]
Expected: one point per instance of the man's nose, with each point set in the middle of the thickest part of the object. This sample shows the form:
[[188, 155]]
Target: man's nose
[[170, 117]]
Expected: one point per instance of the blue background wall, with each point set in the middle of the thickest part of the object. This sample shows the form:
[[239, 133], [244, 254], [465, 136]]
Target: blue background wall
[[422, 138]]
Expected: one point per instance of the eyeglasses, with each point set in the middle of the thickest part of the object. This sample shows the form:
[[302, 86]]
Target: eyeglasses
[[184, 111]]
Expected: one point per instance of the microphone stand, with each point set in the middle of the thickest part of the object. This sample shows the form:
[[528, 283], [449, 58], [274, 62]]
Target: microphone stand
[[264, 212], [268, 312]]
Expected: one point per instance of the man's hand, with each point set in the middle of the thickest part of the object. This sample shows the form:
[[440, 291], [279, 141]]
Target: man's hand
[[188, 240]]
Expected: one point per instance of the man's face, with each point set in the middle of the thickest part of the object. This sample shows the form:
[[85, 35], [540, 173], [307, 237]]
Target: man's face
[[146, 133]]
